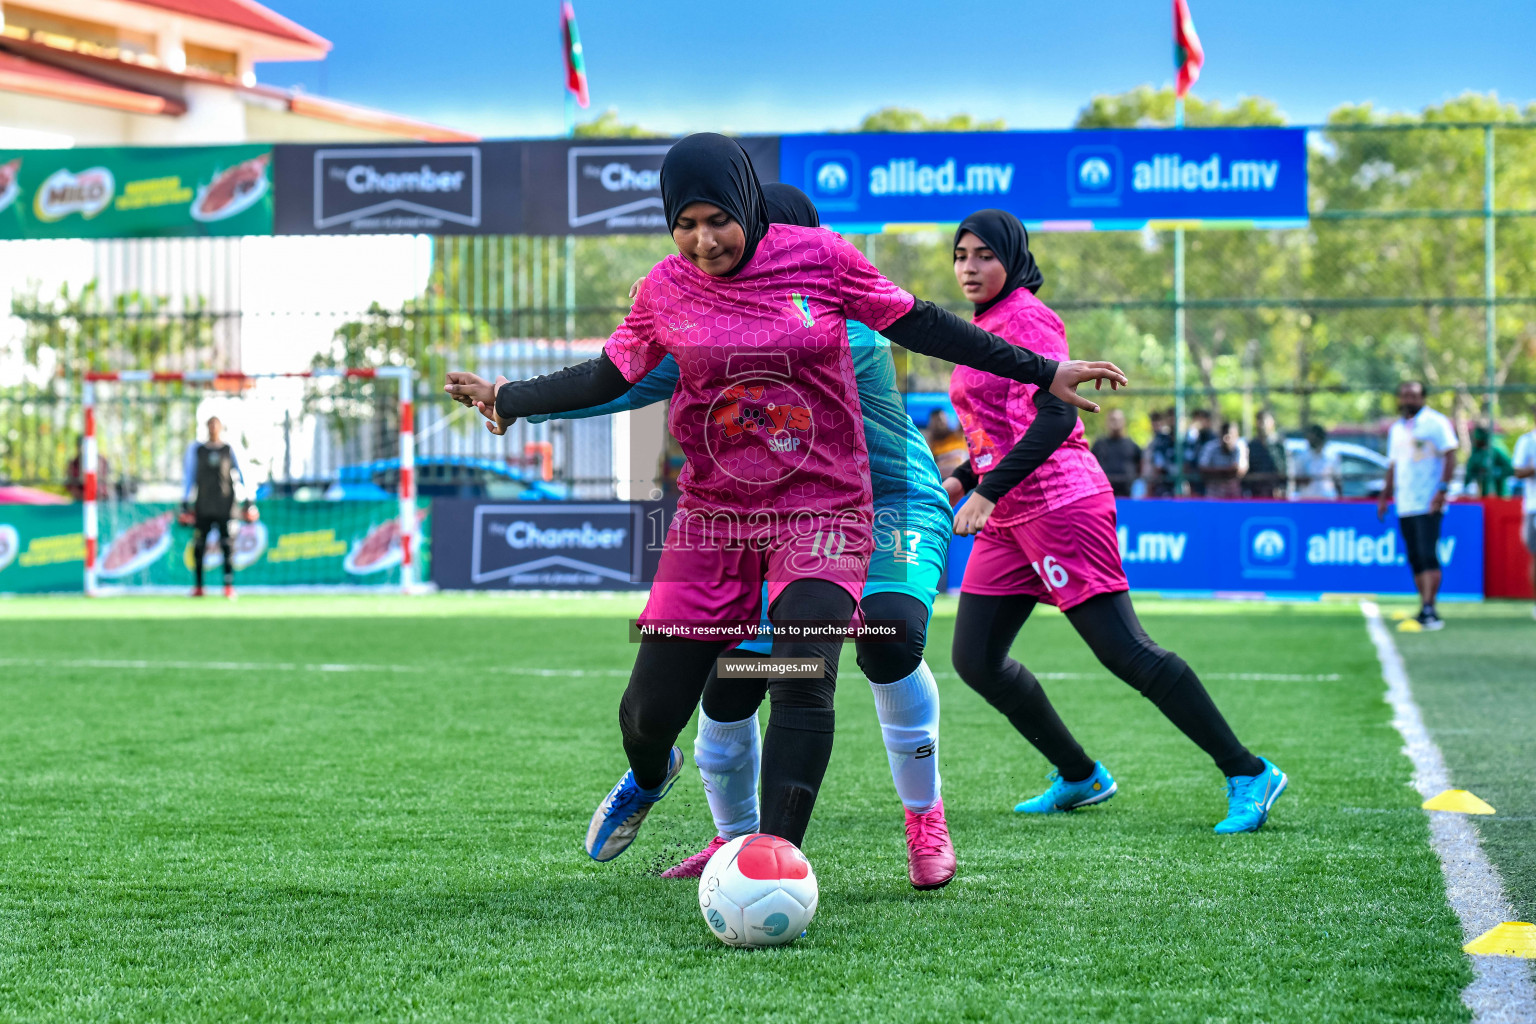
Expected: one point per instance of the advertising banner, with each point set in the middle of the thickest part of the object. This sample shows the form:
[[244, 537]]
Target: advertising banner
[[609, 186], [42, 549], [295, 543], [536, 545], [1060, 180], [441, 189], [136, 192], [1279, 549]]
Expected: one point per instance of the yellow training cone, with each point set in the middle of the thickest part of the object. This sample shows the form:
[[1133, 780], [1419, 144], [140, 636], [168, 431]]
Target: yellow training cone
[[1410, 626], [1457, 800], [1512, 938]]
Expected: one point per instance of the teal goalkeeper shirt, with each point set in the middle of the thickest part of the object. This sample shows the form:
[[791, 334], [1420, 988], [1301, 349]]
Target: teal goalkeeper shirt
[[908, 493]]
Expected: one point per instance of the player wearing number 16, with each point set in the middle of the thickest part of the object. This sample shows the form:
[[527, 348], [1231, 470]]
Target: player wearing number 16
[[1044, 518]]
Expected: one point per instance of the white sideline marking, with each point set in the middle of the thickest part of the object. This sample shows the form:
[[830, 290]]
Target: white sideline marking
[[1501, 991], [271, 666]]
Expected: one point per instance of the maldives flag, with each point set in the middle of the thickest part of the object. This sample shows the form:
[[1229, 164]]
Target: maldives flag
[[1188, 58], [575, 64]]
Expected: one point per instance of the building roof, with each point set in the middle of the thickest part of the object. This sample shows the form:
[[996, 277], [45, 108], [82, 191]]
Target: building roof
[[20, 74], [336, 112], [40, 70], [246, 14]]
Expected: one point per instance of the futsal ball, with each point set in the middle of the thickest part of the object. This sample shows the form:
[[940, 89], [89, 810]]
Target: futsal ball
[[758, 890]]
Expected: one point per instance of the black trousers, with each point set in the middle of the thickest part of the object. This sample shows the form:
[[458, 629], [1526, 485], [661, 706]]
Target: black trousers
[[1421, 537], [200, 530], [669, 678], [985, 628], [881, 661]]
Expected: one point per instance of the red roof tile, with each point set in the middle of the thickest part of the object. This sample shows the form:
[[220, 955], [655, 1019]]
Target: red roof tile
[[246, 14]]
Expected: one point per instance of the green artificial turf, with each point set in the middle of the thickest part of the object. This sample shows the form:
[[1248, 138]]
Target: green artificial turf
[[1476, 683], [322, 841]]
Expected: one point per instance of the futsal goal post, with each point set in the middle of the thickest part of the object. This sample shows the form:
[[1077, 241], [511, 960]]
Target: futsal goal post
[[327, 456]]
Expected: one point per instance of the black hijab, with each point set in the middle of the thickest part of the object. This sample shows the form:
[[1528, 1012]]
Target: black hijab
[[788, 205], [710, 168], [1002, 232]]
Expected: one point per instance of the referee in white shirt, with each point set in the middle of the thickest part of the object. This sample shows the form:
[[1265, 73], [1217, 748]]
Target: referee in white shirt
[[1422, 446]]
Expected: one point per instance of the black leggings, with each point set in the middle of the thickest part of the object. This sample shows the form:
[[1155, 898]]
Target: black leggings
[[200, 546], [668, 680], [881, 661], [985, 628]]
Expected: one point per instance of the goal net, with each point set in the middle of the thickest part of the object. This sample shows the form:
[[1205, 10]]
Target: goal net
[[325, 458]]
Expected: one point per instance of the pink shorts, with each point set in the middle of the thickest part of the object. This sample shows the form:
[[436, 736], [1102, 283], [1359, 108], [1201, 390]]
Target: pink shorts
[[1063, 557], [710, 581]]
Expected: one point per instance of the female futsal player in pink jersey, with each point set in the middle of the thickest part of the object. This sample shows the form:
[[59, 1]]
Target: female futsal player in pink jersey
[[1044, 519], [776, 488]]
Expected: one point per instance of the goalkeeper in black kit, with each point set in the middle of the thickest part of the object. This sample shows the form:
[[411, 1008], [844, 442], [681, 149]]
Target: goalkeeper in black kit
[[213, 482]]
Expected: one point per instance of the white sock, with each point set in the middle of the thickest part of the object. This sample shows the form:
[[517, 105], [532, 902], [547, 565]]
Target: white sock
[[909, 721], [727, 755]]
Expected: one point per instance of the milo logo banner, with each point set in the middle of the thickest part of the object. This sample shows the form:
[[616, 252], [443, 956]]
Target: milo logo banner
[[142, 546], [136, 192]]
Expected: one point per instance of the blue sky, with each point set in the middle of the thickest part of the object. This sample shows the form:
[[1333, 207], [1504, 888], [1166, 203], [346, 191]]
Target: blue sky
[[494, 67]]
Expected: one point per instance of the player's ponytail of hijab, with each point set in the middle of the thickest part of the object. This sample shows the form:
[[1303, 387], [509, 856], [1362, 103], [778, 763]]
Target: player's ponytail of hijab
[[1003, 233], [710, 168]]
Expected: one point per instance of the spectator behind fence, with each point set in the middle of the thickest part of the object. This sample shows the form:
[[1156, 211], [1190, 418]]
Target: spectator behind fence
[[1196, 438], [1223, 462], [1525, 471], [1266, 459], [946, 443], [1160, 455], [1118, 455], [1317, 470], [74, 475], [1489, 466]]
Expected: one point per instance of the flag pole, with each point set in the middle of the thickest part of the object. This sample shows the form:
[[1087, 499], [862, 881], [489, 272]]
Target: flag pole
[[570, 240], [1179, 404]]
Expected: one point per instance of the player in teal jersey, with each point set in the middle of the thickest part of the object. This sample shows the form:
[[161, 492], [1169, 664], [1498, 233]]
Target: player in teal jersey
[[913, 524]]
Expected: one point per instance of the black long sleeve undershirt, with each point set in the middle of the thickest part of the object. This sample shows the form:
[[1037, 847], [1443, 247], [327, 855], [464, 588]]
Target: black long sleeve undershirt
[[935, 331], [925, 328], [594, 382], [1051, 426]]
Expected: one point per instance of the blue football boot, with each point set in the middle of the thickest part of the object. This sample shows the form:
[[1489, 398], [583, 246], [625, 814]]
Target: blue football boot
[[1249, 798], [1069, 796], [617, 819]]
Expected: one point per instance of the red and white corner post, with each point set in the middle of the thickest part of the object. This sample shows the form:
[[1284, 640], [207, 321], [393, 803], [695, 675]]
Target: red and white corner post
[[410, 546], [90, 483]]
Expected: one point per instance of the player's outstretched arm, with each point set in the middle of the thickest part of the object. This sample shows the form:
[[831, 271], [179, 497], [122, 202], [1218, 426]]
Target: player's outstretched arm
[[656, 386], [935, 331], [593, 382]]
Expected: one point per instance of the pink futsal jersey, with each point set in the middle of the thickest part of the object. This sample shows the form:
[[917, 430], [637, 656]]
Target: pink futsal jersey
[[767, 409], [994, 413]]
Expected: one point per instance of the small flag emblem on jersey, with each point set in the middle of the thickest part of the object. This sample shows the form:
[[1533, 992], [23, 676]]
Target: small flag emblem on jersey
[[802, 309]]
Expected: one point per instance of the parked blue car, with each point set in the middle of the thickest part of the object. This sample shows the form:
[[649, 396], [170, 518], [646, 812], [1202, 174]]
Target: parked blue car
[[437, 476]]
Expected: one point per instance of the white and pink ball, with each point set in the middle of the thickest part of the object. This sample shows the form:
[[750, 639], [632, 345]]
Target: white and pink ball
[[758, 890]]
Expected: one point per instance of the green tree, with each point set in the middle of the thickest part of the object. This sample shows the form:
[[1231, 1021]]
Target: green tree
[[903, 119], [1434, 166], [607, 126], [78, 330], [1146, 107]]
